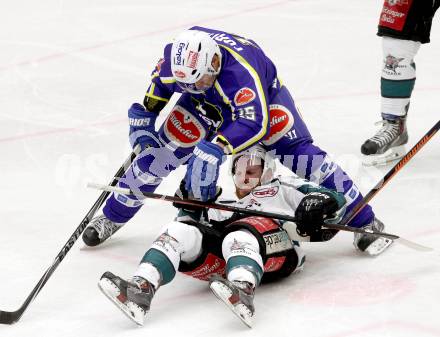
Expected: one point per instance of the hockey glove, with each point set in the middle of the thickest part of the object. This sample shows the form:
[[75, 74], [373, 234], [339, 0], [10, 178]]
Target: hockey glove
[[195, 213], [142, 129], [203, 170], [313, 211]]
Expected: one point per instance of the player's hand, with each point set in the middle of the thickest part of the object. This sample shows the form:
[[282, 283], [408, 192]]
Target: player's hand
[[203, 170], [141, 124], [196, 213], [313, 211]]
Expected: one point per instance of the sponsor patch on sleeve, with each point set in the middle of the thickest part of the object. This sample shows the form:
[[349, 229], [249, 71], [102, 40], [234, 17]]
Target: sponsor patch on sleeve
[[281, 121], [244, 96]]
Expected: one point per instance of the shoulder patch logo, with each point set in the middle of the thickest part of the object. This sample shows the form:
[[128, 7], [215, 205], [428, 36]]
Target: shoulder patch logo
[[244, 96]]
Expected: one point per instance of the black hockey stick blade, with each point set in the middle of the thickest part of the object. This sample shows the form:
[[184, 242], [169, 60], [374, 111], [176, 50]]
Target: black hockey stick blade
[[10, 317]]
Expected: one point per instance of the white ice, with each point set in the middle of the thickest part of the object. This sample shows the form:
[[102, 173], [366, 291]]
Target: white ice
[[68, 72]]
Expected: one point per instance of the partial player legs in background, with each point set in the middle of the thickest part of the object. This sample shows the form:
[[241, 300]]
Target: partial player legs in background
[[397, 83], [401, 41]]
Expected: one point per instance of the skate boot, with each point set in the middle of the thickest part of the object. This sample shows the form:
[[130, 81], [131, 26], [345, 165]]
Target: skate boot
[[99, 230], [132, 297], [372, 244], [237, 295], [388, 143]]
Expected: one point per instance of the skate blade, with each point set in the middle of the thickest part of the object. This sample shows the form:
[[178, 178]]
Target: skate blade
[[389, 156], [378, 246], [130, 309], [223, 293]]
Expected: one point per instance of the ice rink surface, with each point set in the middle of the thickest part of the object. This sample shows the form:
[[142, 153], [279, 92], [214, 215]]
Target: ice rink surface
[[68, 72]]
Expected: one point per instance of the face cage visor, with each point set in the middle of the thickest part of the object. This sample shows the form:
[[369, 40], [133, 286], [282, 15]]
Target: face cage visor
[[245, 172]]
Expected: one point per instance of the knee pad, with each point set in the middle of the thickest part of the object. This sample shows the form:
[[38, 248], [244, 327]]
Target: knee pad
[[185, 240], [241, 250]]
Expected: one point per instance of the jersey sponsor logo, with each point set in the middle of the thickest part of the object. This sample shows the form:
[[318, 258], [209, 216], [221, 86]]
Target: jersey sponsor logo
[[277, 242], [179, 74], [183, 128], [394, 13], [266, 192], [244, 96], [178, 58], [192, 59], [281, 121], [212, 265]]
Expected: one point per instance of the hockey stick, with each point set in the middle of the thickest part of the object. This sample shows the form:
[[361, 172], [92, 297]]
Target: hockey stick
[[225, 207], [10, 317]]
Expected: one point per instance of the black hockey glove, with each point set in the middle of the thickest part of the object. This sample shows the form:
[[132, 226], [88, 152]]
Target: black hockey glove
[[313, 209]]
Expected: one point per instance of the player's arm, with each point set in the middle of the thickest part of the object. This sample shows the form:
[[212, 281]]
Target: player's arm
[[314, 206]]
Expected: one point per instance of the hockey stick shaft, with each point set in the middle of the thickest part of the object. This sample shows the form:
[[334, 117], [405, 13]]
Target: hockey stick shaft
[[391, 173], [10, 317], [229, 208]]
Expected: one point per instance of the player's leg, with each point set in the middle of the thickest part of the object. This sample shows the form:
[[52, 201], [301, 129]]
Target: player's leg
[[177, 242], [255, 250], [176, 139], [404, 26], [244, 269], [293, 145]]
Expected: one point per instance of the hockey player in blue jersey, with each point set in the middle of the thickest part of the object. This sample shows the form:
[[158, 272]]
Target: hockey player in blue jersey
[[232, 98]]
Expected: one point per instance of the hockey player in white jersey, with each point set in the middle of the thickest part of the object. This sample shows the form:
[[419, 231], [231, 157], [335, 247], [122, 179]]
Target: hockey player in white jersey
[[234, 252]]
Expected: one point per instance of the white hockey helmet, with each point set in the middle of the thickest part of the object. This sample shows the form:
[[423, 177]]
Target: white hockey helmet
[[191, 58], [255, 155]]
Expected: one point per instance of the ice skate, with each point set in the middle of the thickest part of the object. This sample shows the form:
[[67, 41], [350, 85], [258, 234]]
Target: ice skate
[[99, 230], [132, 297], [372, 244], [388, 143], [237, 295]]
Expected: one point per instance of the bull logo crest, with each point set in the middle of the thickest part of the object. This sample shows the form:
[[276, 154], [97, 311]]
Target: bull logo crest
[[392, 63]]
